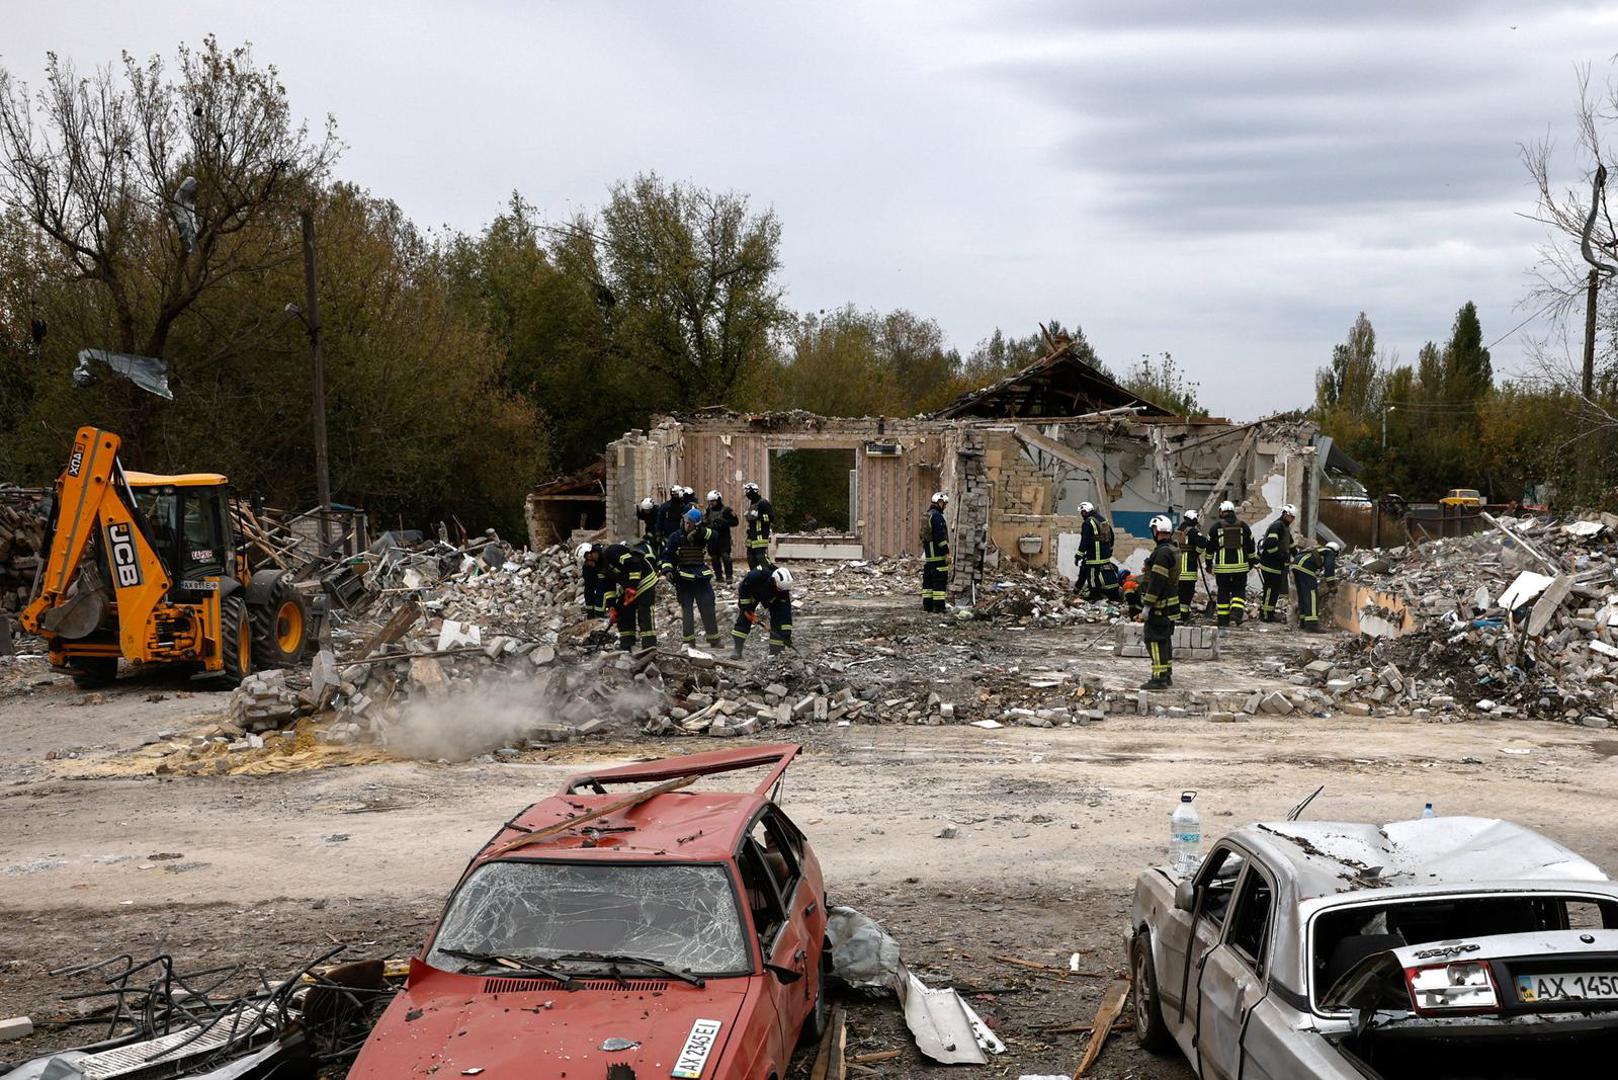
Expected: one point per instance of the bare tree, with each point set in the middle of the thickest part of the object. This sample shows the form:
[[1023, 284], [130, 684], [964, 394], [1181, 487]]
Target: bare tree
[[154, 186]]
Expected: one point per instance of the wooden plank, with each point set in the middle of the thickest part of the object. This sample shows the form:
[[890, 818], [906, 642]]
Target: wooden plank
[[1107, 1013], [599, 812], [398, 624], [830, 1061], [1236, 459]]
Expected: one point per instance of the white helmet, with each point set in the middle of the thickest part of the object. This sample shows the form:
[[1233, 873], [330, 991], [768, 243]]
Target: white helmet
[[1087, 508], [782, 578], [583, 552], [1193, 515], [1227, 507], [1335, 545], [682, 491], [750, 488], [648, 503], [1289, 510], [713, 496], [940, 497], [1161, 524]]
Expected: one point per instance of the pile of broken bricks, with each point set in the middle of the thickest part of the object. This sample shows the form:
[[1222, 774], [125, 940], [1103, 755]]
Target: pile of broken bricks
[[1519, 620]]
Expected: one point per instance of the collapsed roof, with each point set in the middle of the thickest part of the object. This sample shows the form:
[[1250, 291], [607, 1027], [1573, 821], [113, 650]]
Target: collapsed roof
[[1057, 384]]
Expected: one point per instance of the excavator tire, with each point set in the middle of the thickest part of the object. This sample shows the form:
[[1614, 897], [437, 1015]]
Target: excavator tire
[[236, 638], [280, 618], [93, 672]]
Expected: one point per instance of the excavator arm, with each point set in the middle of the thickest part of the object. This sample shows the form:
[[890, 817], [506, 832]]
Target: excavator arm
[[92, 494]]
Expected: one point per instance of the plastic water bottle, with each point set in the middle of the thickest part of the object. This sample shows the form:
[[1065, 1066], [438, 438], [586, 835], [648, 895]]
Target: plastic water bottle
[[1185, 837], [1427, 811]]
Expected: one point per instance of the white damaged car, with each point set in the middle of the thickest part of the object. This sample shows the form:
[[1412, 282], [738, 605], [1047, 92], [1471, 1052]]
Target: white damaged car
[[1442, 948]]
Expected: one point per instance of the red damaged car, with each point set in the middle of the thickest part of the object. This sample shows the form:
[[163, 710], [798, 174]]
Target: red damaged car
[[666, 932]]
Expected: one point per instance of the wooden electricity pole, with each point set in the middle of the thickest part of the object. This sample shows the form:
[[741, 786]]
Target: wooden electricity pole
[[311, 320]]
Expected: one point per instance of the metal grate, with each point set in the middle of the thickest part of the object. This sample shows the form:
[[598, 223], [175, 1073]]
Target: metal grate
[[529, 986], [161, 1053]]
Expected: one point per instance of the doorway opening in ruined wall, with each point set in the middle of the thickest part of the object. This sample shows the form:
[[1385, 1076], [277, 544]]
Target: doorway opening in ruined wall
[[814, 491]]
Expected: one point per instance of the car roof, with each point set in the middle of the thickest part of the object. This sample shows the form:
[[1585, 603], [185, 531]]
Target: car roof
[[665, 823], [1324, 858]]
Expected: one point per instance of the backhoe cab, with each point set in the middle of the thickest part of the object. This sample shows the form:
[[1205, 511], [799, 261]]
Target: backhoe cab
[[148, 568]]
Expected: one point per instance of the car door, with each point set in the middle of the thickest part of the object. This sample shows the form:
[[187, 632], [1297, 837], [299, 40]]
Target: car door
[[1200, 932], [778, 997], [783, 858], [1233, 979]]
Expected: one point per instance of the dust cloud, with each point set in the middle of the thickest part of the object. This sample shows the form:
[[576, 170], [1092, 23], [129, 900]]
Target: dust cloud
[[473, 720]]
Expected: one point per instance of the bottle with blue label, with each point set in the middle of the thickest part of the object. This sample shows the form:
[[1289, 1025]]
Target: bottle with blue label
[[1185, 837]]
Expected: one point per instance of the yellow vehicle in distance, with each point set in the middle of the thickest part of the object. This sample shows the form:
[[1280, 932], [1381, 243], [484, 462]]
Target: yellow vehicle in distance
[[1462, 497]]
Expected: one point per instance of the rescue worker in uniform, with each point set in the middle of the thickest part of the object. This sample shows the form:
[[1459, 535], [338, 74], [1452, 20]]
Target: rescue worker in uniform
[[596, 594], [1313, 570], [1160, 603], [720, 519], [632, 579], [1274, 556], [1193, 545], [668, 517], [1098, 575], [685, 559], [936, 563], [760, 520], [769, 587], [1230, 553], [646, 515]]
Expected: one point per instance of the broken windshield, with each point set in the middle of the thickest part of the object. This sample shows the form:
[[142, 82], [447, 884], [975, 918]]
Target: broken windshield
[[685, 917]]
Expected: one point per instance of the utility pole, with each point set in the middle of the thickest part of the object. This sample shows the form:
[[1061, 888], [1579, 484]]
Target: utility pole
[[1589, 385], [1385, 411], [311, 320]]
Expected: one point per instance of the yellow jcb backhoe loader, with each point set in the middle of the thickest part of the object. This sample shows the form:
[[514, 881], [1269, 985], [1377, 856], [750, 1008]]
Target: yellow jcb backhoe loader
[[149, 568]]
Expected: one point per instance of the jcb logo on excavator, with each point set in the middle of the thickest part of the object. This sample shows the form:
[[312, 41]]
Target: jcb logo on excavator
[[76, 462], [121, 547]]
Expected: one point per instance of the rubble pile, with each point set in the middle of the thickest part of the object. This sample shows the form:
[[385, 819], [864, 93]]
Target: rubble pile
[[1039, 598], [22, 539], [1518, 621]]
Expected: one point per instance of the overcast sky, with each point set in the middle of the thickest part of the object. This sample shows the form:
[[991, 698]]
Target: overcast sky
[[1229, 181]]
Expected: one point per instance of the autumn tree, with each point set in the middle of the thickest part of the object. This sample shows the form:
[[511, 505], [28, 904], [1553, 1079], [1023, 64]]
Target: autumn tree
[[1162, 381]]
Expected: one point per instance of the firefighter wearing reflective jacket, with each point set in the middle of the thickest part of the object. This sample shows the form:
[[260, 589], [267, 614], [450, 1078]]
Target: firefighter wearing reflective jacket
[[1274, 556], [1311, 569], [1098, 577], [760, 520], [1160, 603], [1230, 553], [685, 559], [720, 519], [768, 587], [632, 579], [1193, 545], [936, 563], [596, 594]]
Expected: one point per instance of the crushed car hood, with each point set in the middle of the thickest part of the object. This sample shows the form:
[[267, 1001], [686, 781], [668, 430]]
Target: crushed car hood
[[446, 1025]]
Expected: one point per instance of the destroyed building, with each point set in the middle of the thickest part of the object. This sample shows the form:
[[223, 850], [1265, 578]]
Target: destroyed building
[[1016, 458]]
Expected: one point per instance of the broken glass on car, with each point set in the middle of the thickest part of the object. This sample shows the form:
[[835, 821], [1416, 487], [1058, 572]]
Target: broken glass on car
[[685, 918]]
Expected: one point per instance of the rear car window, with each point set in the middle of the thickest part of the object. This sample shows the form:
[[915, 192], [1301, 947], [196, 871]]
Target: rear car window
[[683, 916], [1345, 936]]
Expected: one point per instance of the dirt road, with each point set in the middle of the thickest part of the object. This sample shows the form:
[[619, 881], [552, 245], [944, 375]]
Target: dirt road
[[1051, 827]]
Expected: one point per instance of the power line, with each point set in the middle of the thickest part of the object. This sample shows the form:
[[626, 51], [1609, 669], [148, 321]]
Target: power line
[[1525, 322]]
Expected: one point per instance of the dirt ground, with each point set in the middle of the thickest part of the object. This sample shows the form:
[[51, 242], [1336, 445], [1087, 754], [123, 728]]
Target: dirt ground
[[1051, 828]]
